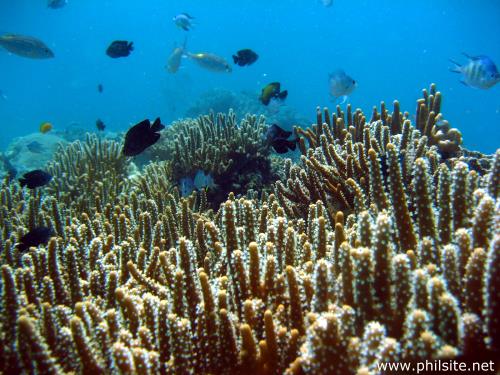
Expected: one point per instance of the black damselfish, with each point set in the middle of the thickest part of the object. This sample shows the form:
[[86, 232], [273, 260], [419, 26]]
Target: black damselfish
[[278, 139], [119, 48], [35, 179], [36, 236], [245, 57], [139, 137]]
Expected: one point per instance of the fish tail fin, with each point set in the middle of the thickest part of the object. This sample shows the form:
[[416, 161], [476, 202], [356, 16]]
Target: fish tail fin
[[456, 68], [283, 94], [131, 46]]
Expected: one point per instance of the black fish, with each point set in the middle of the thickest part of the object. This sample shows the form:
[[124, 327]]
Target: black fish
[[275, 132], [100, 125], [100, 88], [245, 57], [278, 139], [35, 237], [119, 48], [35, 179], [272, 90], [282, 145], [139, 137]]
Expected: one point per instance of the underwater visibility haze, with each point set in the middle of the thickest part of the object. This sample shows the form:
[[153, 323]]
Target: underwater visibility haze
[[249, 187]]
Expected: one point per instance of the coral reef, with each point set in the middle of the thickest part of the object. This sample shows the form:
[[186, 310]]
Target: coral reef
[[376, 248], [222, 100], [236, 155], [33, 151], [88, 175]]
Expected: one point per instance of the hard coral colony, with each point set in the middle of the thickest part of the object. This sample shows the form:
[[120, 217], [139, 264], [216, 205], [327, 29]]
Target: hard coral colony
[[380, 245]]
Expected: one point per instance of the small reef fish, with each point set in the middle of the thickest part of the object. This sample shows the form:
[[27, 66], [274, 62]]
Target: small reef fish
[[327, 3], [26, 46], [277, 137], [140, 136], [272, 90], [175, 58], [100, 125], [36, 236], [100, 88], [210, 62], [35, 178], [480, 72], [56, 4], [183, 21], [45, 127], [119, 48], [245, 57], [9, 168], [35, 147], [341, 85], [200, 181]]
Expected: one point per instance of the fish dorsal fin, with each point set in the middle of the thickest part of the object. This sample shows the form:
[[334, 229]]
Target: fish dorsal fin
[[157, 125]]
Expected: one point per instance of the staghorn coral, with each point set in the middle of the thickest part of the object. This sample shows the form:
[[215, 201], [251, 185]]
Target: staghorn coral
[[235, 155], [88, 174], [154, 283]]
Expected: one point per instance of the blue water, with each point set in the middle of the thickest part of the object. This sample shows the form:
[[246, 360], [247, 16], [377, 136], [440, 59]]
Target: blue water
[[392, 49]]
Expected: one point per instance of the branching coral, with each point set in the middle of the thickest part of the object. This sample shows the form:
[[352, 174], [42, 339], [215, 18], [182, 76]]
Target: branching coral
[[154, 283], [235, 155], [89, 174]]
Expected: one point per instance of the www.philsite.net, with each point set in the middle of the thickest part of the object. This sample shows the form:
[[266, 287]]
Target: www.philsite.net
[[436, 366]]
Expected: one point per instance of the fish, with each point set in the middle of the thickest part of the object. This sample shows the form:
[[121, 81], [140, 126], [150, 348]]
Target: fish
[[100, 88], [100, 125], [480, 72], [26, 46], [341, 85], [327, 3], [203, 180], [35, 178], [245, 57], [119, 48], [175, 58], [140, 136], [186, 186], [36, 236], [56, 4], [2, 95], [210, 62], [9, 168], [272, 90], [183, 21], [45, 127], [35, 147], [277, 137]]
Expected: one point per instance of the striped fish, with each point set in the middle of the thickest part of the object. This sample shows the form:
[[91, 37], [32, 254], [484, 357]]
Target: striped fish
[[480, 72]]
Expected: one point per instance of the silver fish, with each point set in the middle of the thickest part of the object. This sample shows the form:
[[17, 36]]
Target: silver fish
[[26, 46], [210, 61], [56, 4], [175, 58], [183, 21], [480, 72], [341, 85]]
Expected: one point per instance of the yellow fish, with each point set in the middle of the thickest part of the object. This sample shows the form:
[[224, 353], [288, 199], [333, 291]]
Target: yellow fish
[[210, 61], [45, 127]]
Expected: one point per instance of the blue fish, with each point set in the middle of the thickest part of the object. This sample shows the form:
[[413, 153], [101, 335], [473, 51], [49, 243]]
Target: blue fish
[[480, 72], [341, 85]]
